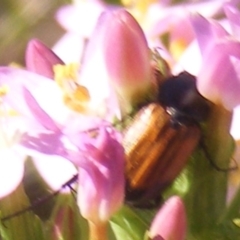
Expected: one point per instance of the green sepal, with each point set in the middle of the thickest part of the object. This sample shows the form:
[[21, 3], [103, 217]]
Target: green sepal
[[66, 223]]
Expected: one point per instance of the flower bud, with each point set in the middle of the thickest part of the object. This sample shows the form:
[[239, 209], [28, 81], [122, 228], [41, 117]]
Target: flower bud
[[127, 55], [170, 221], [40, 59], [118, 53], [65, 220]]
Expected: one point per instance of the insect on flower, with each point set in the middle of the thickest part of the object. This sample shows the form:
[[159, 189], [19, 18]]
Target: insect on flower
[[161, 138]]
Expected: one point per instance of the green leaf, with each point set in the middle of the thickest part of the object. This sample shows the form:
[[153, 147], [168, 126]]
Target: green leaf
[[24, 226], [129, 224], [37, 189]]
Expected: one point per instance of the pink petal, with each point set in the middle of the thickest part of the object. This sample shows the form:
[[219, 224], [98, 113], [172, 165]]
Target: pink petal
[[233, 15], [235, 126], [44, 90], [55, 170], [80, 18], [38, 113], [172, 13], [207, 32], [70, 47], [186, 62], [101, 181], [12, 169], [41, 59], [219, 77]]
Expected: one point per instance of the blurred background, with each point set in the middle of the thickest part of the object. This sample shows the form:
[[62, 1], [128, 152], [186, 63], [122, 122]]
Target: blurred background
[[21, 20]]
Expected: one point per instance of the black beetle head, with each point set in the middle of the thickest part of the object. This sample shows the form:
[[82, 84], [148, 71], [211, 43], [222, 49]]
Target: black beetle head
[[181, 99]]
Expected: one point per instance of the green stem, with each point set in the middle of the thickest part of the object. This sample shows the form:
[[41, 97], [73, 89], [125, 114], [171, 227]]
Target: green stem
[[233, 210], [98, 231], [206, 198]]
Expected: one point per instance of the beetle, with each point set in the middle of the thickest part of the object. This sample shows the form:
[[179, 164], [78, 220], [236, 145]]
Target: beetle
[[162, 137]]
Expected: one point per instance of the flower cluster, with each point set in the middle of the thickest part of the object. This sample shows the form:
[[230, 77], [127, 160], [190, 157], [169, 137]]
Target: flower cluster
[[68, 114]]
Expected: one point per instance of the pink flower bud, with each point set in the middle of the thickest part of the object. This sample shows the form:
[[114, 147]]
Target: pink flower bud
[[170, 221], [127, 53], [40, 59], [118, 53], [101, 179]]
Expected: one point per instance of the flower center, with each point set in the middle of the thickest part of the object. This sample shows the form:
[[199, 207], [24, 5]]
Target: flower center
[[75, 96]]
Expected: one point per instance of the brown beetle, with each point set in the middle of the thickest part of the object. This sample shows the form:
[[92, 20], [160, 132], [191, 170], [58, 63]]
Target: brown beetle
[[161, 138]]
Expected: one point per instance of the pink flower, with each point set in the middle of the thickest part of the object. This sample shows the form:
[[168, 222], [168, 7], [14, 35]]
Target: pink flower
[[99, 157], [20, 120], [219, 76], [170, 221], [96, 153], [165, 23]]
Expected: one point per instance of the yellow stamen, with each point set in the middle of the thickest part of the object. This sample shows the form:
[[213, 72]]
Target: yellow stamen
[[75, 96], [126, 2], [140, 6], [63, 73], [9, 112], [177, 47], [81, 94], [7, 134], [4, 90], [78, 100]]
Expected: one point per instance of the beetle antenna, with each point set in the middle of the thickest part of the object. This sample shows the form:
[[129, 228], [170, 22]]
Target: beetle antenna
[[214, 165]]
